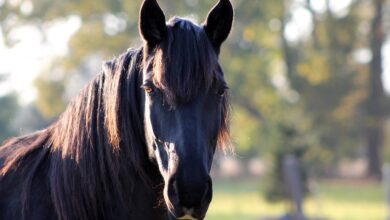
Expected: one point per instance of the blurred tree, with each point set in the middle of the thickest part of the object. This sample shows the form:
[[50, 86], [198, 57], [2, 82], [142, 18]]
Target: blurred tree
[[9, 106], [50, 101], [331, 81], [376, 98], [291, 143]]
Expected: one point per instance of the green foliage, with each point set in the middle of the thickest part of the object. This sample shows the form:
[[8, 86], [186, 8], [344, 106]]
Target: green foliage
[[291, 143], [50, 102], [9, 107]]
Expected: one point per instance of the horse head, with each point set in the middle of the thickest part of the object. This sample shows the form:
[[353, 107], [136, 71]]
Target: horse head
[[186, 103]]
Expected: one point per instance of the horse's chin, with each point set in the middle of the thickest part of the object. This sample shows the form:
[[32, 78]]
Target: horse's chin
[[188, 217], [184, 217], [182, 213], [178, 212]]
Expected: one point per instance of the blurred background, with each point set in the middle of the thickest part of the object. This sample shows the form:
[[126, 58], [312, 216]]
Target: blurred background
[[309, 80]]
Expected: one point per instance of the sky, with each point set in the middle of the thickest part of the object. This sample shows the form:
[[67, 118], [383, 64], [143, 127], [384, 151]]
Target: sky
[[32, 54]]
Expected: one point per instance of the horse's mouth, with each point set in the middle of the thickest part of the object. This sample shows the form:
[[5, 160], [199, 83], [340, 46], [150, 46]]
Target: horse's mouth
[[187, 217], [184, 216]]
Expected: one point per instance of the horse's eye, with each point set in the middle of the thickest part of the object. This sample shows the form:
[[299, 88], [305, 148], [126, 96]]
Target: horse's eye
[[149, 90], [222, 91]]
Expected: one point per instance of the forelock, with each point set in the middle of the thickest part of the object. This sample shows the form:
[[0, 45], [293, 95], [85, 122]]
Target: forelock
[[185, 63]]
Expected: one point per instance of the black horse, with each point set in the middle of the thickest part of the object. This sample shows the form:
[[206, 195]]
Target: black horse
[[138, 141]]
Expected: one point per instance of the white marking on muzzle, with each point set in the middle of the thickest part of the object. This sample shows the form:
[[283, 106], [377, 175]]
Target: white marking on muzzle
[[187, 217], [188, 214]]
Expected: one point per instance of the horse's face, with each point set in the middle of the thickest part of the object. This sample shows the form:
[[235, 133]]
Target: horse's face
[[183, 123], [182, 141]]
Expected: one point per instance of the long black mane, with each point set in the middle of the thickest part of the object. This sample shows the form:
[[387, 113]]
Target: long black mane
[[96, 146], [90, 157]]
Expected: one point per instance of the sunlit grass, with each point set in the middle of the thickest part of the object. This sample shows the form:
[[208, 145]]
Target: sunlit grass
[[334, 201]]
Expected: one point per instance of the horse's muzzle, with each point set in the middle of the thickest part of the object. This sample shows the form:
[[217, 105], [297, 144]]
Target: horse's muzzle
[[189, 200]]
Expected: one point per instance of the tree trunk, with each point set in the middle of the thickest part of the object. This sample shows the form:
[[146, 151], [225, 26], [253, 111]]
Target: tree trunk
[[375, 115]]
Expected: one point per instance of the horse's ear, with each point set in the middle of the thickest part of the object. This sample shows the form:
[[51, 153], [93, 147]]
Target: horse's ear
[[152, 25], [219, 22]]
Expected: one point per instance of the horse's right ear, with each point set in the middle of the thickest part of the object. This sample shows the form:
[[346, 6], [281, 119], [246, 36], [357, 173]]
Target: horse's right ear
[[152, 25]]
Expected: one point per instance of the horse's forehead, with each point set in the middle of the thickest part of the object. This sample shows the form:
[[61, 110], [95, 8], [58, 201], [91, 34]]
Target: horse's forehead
[[184, 64]]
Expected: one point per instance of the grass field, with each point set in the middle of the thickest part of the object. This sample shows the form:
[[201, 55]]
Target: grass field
[[334, 201]]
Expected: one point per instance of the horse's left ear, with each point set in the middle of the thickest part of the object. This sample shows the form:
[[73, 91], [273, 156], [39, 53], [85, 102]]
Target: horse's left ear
[[219, 23], [152, 25]]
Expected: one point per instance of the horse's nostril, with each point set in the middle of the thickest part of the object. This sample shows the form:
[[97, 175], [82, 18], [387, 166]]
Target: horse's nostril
[[189, 195]]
